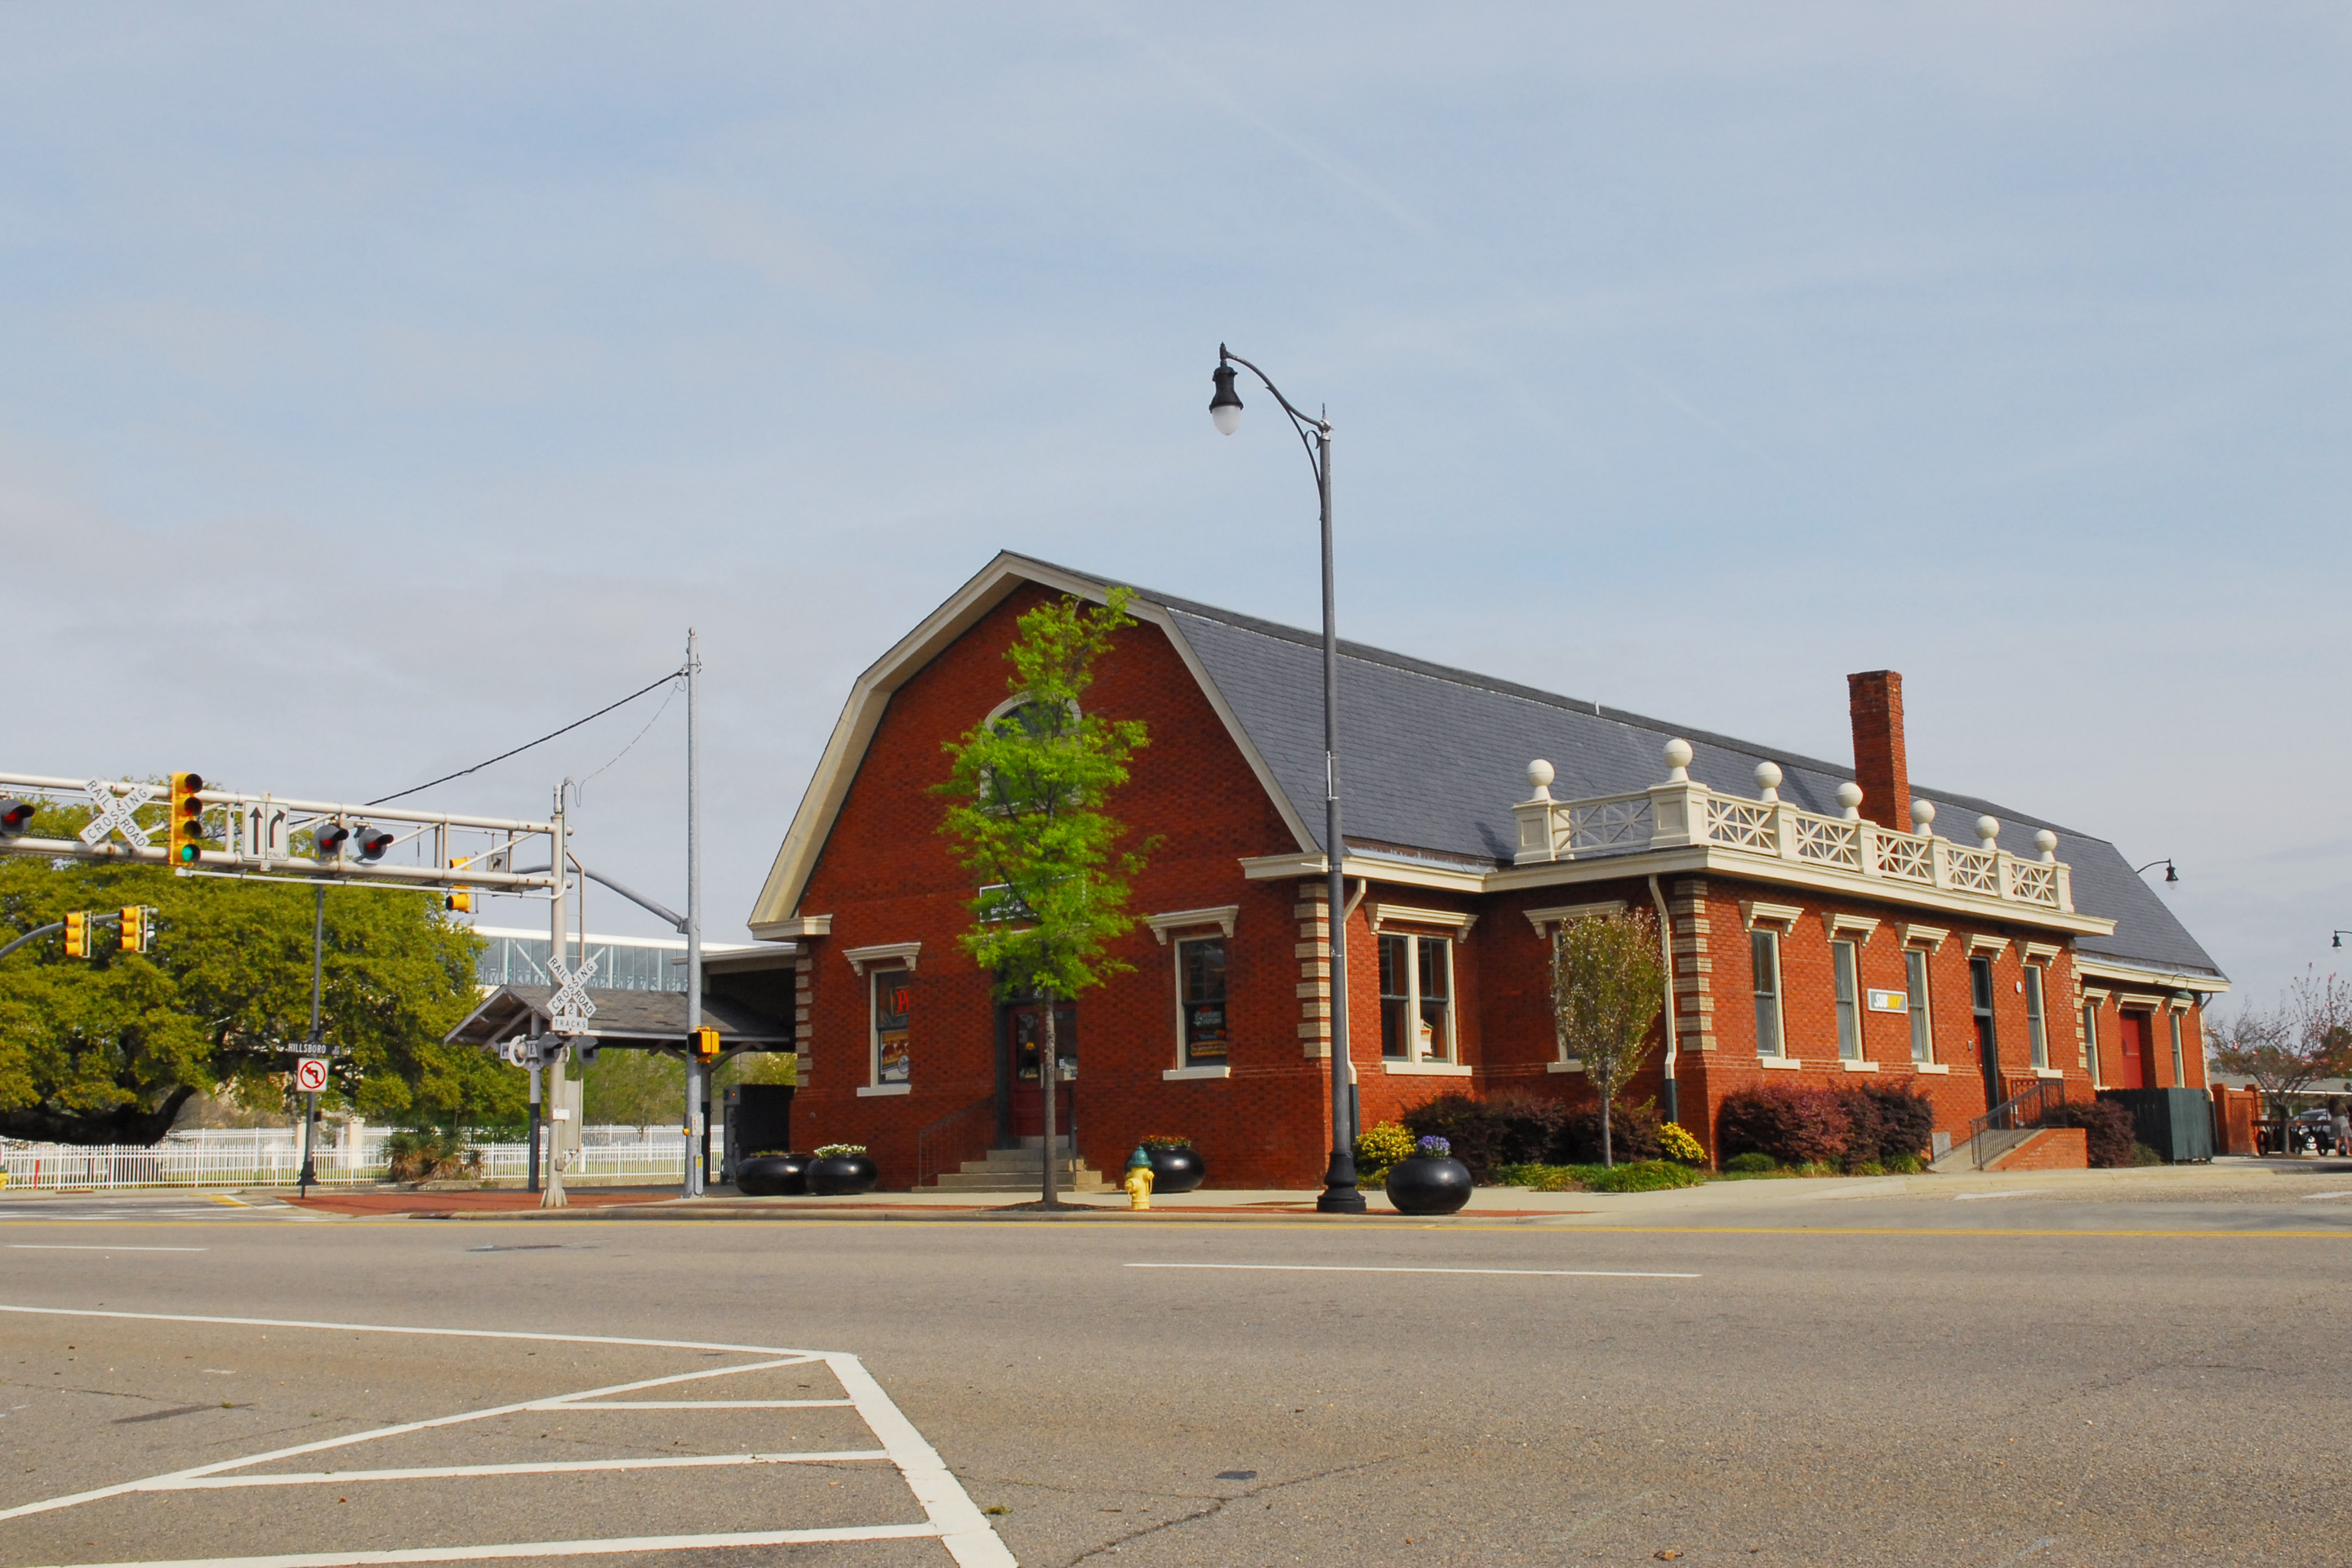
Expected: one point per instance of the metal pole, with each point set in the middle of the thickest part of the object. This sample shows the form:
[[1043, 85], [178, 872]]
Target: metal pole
[[557, 952], [309, 1173], [533, 1183], [698, 1090], [1339, 1194]]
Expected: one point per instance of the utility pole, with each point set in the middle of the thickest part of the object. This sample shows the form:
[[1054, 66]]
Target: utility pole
[[559, 957], [698, 1088]]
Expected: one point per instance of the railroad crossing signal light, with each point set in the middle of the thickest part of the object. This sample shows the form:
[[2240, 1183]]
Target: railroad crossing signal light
[[15, 815], [374, 841], [138, 929], [77, 934], [706, 1041], [187, 823], [327, 839]]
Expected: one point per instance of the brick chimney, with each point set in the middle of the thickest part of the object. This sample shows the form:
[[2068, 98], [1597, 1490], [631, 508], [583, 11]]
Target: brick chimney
[[1875, 699]]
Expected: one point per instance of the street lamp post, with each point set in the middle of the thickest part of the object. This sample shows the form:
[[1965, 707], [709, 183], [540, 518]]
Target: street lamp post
[[1339, 1193]]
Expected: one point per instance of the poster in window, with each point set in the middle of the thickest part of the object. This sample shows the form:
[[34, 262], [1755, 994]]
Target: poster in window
[[893, 996]]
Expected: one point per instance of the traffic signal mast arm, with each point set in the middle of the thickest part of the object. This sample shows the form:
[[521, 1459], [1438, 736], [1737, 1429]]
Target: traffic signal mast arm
[[256, 833]]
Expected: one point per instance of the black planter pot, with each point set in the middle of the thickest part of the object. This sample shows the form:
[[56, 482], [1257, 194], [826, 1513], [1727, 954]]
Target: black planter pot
[[772, 1175], [836, 1175], [1429, 1183], [1176, 1170]]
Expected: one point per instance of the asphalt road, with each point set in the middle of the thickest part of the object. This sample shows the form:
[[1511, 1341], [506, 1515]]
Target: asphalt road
[[1783, 1380]]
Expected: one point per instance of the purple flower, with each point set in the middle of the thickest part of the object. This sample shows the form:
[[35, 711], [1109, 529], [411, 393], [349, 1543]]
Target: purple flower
[[1433, 1148]]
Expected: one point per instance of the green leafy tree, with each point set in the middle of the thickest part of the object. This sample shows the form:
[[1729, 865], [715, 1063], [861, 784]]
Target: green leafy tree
[[109, 1049], [1607, 982], [1029, 787]]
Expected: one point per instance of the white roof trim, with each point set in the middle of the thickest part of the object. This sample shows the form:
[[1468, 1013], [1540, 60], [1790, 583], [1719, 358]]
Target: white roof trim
[[2091, 967], [883, 955], [1222, 916], [869, 696]]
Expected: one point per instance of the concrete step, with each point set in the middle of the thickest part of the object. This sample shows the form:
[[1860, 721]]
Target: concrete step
[[1033, 1184], [1018, 1160], [1021, 1171], [1995, 1145]]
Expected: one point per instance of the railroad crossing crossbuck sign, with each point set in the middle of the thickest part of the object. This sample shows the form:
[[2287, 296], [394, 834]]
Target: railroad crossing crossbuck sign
[[569, 1010], [114, 811], [310, 1074]]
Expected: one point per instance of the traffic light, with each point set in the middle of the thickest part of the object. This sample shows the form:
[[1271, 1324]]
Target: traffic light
[[187, 823], [15, 815], [374, 841], [706, 1041], [327, 839], [77, 934], [459, 900], [138, 929]]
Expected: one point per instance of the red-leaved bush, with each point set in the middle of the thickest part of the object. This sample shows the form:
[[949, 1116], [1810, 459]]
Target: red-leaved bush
[[1795, 1126]]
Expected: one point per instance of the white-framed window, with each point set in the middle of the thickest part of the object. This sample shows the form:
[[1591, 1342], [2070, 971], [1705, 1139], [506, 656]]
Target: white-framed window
[[2036, 1032], [891, 994], [1416, 998], [2180, 1074], [1923, 1029], [1764, 960], [1847, 970], [2090, 1043], [1203, 1034]]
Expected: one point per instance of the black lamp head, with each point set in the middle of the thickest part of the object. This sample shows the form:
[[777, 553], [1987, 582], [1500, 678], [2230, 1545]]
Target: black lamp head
[[2170, 875], [1226, 406]]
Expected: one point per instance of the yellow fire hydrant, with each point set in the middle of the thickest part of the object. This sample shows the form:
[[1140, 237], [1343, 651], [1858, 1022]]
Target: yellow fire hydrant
[[1139, 1179]]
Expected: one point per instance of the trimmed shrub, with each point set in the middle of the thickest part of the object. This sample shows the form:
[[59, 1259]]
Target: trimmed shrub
[[2106, 1130], [1676, 1145], [1904, 1165], [1796, 1126], [2144, 1155], [1751, 1164], [1633, 1135], [1378, 1148], [1884, 1121], [1641, 1177], [1507, 1129]]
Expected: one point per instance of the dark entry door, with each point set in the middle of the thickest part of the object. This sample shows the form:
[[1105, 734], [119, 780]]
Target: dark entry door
[[1988, 1042], [1026, 1036], [2139, 1052]]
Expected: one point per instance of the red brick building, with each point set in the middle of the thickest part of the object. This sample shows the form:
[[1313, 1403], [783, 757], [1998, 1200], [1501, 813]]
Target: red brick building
[[1822, 923]]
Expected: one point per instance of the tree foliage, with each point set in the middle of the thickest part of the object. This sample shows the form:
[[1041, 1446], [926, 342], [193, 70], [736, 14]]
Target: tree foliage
[[1606, 985], [2285, 1049], [107, 1050], [1028, 789]]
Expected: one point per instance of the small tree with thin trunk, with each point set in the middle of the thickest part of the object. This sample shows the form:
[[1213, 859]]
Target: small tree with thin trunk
[[2307, 1038], [1028, 823], [1606, 981]]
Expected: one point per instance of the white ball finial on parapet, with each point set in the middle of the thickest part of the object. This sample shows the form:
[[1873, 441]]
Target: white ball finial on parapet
[[1539, 777], [1988, 831], [1678, 761], [2047, 842], [1850, 797], [1923, 818], [1767, 781]]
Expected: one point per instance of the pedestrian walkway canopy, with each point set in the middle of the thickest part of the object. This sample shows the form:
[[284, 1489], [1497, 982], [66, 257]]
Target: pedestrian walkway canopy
[[641, 1019]]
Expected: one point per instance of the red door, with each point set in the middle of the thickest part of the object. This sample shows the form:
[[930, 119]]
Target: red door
[[2138, 1052], [1028, 1038]]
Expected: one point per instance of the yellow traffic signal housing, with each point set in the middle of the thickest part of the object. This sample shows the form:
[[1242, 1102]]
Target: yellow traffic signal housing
[[706, 1041], [132, 930], [77, 934], [459, 900], [187, 823]]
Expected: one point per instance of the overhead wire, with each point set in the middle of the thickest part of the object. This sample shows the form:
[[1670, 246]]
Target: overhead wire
[[503, 756]]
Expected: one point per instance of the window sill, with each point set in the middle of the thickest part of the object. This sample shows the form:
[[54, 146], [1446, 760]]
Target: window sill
[[1188, 1075], [2048, 1072], [1570, 1065], [1930, 1067], [877, 1090], [1859, 1067], [1786, 1064], [1425, 1069]]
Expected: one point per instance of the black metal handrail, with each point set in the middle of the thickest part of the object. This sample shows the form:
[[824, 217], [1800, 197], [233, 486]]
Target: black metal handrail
[[2023, 1110], [933, 1145]]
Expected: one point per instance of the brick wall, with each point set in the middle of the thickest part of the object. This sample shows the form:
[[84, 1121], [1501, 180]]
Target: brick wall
[[2052, 1148]]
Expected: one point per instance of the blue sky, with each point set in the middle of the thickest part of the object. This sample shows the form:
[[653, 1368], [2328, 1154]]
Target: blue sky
[[380, 387]]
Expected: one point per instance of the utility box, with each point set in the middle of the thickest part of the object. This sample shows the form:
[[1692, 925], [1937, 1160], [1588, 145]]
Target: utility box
[[2177, 1124], [758, 1120]]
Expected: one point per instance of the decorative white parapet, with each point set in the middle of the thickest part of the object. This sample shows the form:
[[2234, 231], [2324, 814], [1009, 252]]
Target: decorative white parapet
[[1682, 813]]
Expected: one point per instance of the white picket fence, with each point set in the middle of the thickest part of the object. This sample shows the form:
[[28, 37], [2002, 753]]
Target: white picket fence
[[272, 1157]]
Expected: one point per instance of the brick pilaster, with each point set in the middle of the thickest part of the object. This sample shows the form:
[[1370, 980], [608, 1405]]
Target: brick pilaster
[[1693, 993]]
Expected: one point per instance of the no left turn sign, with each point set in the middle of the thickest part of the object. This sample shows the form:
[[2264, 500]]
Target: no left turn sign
[[310, 1074]]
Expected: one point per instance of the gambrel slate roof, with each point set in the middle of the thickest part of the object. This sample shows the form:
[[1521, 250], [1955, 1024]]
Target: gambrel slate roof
[[1432, 758]]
